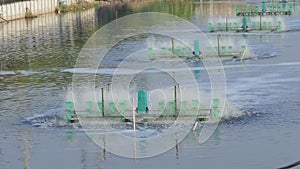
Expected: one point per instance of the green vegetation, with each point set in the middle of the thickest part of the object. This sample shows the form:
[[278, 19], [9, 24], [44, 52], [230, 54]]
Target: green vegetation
[[75, 7], [180, 8]]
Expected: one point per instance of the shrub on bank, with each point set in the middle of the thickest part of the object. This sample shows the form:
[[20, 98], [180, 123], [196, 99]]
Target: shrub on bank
[[79, 6]]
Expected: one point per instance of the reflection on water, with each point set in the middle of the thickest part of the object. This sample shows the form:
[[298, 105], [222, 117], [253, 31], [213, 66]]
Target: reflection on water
[[45, 42], [34, 52], [26, 147]]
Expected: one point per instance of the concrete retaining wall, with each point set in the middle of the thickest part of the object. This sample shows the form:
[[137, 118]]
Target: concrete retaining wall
[[17, 10]]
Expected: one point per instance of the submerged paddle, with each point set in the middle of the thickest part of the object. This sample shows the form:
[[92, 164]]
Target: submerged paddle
[[291, 165]]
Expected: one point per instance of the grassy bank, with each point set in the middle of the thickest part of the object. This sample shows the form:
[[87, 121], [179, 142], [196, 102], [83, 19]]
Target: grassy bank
[[79, 6]]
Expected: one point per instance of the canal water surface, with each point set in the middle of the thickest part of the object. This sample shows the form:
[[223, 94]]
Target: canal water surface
[[37, 57]]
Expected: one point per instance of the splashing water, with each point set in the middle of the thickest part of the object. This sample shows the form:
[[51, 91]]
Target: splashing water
[[52, 118], [231, 111]]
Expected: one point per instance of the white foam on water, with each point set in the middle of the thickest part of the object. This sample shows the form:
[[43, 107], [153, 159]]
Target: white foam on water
[[48, 119], [231, 111], [27, 72], [7, 73], [129, 71], [22, 72]]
